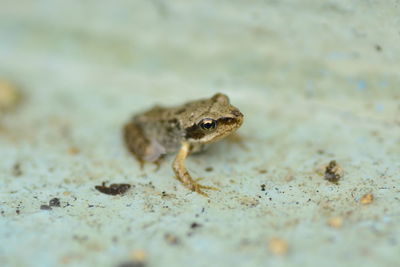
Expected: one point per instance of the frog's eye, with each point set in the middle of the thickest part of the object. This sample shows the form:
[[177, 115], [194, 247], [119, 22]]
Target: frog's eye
[[208, 124]]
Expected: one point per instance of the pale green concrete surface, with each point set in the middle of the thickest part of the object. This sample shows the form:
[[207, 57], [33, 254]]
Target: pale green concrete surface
[[316, 80]]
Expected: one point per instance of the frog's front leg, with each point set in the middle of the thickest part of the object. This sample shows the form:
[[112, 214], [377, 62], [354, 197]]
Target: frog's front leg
[[183, 175]]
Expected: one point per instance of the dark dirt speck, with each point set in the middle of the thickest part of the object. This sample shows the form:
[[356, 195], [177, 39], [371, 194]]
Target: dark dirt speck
[[54, 202], [16, 170], [113, 189], [45, 207], [333, 172], [195, 225]]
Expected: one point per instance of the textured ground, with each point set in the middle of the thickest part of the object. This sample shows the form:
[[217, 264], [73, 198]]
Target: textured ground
[[316, 80]]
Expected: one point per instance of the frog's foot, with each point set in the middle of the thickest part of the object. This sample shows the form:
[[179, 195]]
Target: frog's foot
[[196, 187], [141, 164], [158, 162]]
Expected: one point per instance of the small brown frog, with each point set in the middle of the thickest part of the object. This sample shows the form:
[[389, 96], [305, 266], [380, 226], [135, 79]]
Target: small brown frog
[[183, 130]]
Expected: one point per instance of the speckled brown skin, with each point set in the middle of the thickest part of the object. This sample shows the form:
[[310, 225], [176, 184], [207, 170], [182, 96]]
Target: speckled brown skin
[[181, 129]]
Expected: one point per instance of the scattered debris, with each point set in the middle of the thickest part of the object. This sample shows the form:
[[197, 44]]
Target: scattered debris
[[249, 201], [45, 207], [278, 246], [54, 202], [378, 48], [167, 195], [209, 169], [335, 222], [171, 239], [367, 199], [262, 171], [9, 95], [113, 189], [331, 172]]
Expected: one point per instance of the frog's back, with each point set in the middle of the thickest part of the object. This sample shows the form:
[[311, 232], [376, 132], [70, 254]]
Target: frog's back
[[157, 129]]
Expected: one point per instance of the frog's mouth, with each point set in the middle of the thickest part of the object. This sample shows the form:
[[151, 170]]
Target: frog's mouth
[[226, 121]]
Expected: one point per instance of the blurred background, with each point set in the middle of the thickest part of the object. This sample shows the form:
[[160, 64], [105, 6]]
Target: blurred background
[[317, 81]]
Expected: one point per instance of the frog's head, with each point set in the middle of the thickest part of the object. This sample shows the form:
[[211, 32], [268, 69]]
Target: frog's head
[[217, 120]]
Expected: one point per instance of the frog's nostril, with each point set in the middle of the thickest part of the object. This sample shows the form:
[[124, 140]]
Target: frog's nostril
[[237, 113]]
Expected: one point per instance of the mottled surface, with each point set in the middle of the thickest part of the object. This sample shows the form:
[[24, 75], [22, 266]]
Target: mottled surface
[[317, 81]]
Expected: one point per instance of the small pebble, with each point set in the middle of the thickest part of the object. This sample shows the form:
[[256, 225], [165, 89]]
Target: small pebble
[[335, 222], [171, 239], [278, 246], [139, 255], [367, 199], [9, 95]]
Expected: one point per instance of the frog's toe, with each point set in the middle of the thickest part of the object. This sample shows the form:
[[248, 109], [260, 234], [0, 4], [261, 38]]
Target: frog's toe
[[208, 187], [201, 192], [198, 188]]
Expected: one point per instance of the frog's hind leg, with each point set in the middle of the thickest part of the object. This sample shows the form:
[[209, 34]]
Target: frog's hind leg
[[140, 146]]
